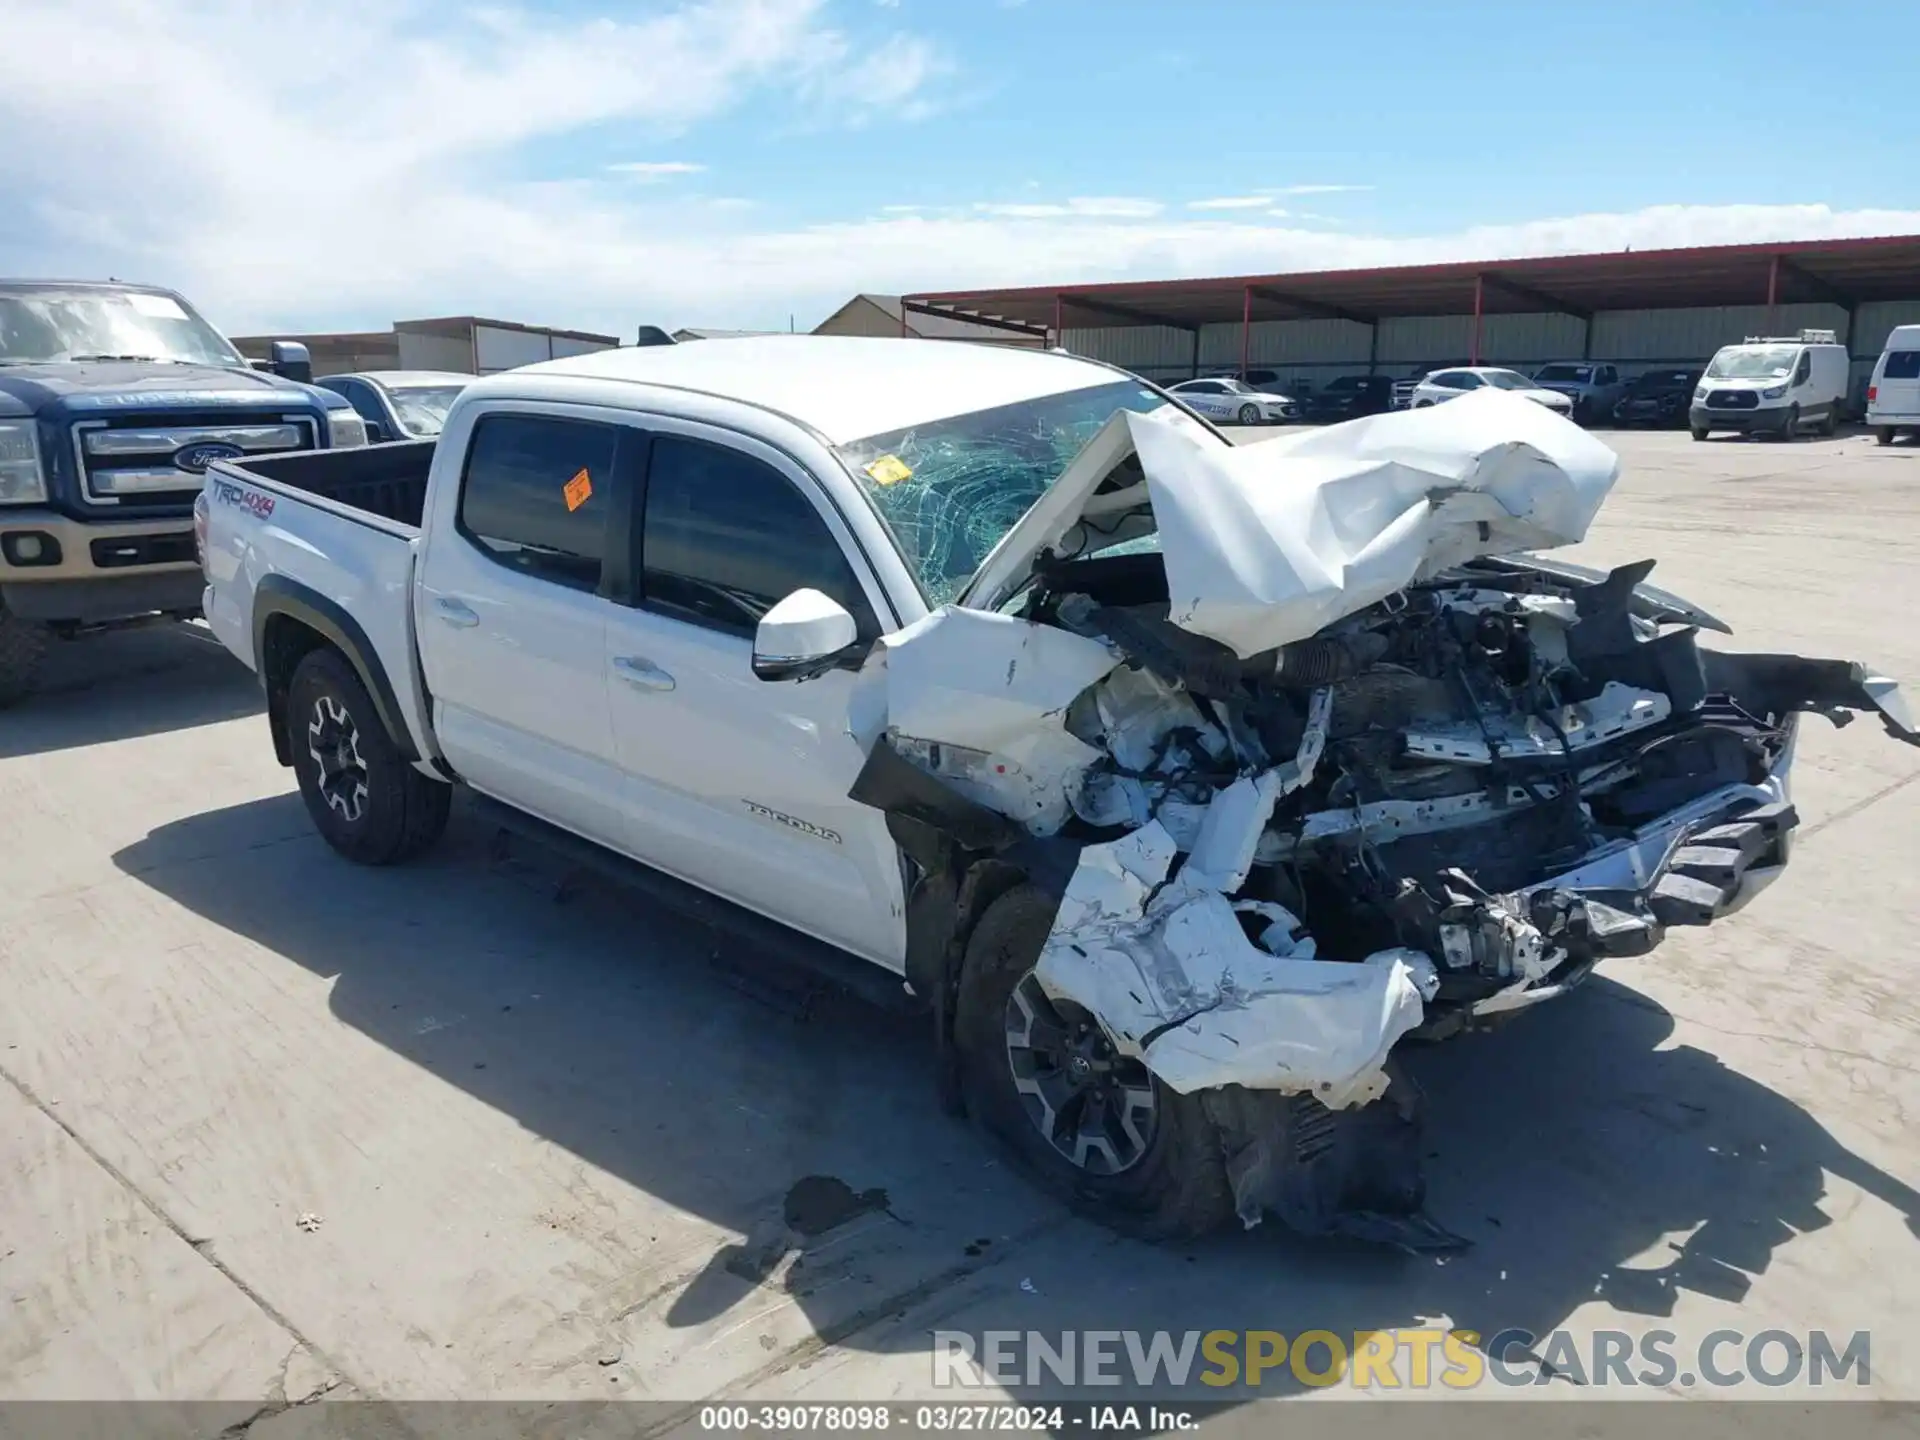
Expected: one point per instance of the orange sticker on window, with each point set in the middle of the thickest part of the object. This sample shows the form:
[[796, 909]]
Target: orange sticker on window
[[578, 490]]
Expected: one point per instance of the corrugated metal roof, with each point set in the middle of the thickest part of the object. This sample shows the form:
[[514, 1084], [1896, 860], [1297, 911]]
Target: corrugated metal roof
[[1839, 271]]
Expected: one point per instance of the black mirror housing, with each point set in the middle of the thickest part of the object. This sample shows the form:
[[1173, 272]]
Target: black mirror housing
[[291, 360]]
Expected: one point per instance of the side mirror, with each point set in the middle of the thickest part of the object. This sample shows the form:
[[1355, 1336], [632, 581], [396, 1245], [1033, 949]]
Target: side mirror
[[805, 635], [376, 432], [291, 361]]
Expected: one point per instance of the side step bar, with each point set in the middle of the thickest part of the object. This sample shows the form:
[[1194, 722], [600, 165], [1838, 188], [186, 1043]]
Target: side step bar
[[756, 935]]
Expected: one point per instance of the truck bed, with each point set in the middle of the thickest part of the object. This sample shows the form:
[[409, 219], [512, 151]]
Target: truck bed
[[326, 539], [389, 481]]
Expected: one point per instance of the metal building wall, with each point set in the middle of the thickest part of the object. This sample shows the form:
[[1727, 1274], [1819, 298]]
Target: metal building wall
[[1874, 320], [1285, 344], [1680, 336], [1156, 351]]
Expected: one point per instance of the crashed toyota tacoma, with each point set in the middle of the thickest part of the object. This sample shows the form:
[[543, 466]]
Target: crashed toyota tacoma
[[1182, 783]]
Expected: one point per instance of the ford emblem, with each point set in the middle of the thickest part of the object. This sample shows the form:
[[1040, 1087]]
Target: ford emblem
[[195, 458]]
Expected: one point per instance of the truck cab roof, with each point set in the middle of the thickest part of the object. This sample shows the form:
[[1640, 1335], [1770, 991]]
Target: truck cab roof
[[843, 388]]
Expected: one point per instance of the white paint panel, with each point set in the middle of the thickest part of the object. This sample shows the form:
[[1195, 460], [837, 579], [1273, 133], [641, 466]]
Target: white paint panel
[[421, 351], [509, 349], [565, 345]]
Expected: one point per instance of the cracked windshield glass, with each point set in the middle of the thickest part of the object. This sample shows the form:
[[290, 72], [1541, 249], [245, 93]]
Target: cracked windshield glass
[[950, 489]]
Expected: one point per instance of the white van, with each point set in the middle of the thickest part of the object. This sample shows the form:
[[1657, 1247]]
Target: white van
[[1772, 387], [1893, 395]]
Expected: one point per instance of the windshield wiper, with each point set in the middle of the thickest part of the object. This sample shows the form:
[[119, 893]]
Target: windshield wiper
[[148, 359]]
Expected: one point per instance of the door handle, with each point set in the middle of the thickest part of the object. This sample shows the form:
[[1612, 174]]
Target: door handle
[[455, 613], [643, 673]]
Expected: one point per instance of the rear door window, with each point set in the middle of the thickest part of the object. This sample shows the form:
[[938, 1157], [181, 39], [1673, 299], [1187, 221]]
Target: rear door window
[[537, 495], [1901, 365]]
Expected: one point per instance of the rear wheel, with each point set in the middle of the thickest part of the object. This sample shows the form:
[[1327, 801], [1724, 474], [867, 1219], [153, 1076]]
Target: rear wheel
[[1699, 431], [23, 646], [1249, 415], [364, 798], [1884, 435], [1089, 1124]]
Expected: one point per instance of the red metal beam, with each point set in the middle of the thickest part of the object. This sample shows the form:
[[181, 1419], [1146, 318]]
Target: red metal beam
[[1479, 302], [1246, 327]]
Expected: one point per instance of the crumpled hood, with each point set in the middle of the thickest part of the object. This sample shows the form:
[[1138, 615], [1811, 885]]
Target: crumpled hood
[[1267, 543], [108, 385]]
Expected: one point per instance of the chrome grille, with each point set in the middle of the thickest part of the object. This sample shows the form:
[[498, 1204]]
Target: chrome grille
[[133, 460]]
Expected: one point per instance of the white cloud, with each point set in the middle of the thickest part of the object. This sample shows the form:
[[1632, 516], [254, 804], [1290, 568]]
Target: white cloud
[[1231, 202], [656, 169], [378, 179], [1107, 207]]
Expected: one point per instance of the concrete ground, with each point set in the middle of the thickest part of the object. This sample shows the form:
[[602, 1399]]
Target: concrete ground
[[273, 1127]]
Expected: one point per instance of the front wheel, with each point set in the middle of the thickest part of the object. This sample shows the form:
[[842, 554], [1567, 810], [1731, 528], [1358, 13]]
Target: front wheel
[[1699, 431], [1087, 1123], [1791, 426], [1249, 415], [23, 646], [364, 798]]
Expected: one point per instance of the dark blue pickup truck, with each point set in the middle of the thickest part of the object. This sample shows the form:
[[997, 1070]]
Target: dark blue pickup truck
[[114, 399]]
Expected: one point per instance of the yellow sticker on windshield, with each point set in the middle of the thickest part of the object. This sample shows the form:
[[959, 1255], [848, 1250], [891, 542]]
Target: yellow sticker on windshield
[[890, 470]]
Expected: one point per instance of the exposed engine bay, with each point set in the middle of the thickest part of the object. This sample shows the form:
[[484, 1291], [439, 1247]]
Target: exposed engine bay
[[1337, 765]]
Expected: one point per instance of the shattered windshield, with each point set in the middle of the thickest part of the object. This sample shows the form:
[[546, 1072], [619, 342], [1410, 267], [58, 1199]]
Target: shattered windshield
[[1757, 362], [950, 489], [49, 325]]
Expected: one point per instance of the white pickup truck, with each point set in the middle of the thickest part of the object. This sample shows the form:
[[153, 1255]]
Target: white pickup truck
[[1180, 782]]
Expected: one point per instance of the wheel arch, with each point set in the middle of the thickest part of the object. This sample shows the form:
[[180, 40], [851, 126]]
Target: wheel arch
[[291, 619], [961, 857]]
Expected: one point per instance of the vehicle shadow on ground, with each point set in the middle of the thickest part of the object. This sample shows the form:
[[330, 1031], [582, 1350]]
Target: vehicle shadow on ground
[[127, 683], [1582, 1159]]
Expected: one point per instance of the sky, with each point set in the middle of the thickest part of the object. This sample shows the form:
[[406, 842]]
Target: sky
[[310, 165]]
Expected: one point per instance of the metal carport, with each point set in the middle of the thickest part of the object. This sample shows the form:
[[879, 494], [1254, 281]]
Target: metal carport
[[1842, 274]]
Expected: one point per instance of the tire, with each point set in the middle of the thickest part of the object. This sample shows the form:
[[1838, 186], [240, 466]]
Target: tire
[[1176, 1183], [1884, 435], [1830, 423], [1249, 415], [23, 646], [364, 798], [1699, 431], [1790, 428]]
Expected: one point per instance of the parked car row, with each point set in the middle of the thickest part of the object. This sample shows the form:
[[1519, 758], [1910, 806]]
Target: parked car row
[[1760, 386]]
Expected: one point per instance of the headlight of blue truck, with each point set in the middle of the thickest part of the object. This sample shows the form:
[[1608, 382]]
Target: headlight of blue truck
[[345, 429], [22, 481]]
